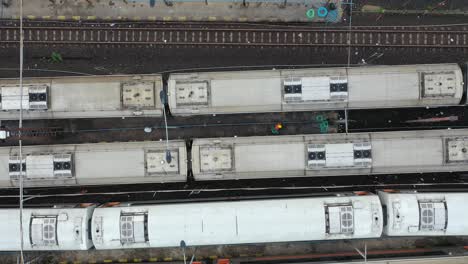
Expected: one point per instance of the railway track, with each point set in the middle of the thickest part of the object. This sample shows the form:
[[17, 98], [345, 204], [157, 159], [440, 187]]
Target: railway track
[[254, 36]]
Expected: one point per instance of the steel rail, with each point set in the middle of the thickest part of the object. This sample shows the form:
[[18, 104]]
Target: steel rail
[[397, 38], [300, 30]]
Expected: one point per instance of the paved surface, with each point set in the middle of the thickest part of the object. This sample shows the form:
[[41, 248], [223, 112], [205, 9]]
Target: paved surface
[[434, 6], [170, 10]]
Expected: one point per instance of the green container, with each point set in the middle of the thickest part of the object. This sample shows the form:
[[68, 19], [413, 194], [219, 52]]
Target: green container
[[310, 13]]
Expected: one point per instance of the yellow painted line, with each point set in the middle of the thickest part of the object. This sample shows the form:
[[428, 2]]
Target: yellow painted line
[[242, 19], [108, 18], [91, 17], [167, 259], [77, 262], [61, 17], [153, 259], [136, 260], [31, 17], [45, 17], [182, 18], [92, 261], [137, 18], [123, 260], [213, 257], [212, 18], [227, 18], [167, 18], [259, 255], [151, 18], [76, 17], [108, 261], [119, 18]]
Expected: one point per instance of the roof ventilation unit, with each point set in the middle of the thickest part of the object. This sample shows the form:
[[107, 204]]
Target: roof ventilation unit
[[308, 89], [457, 150], [34, 97], [338, 88], [216, 159], [433, 216], [316, 156], [15, 165], [138, 95], [134, 228], [438, 84], [192, 93], [339, 219], [362, 154], [292, 90], [344, 155], [156, 162], [41, 166], [43, 231], [38, 97], [63, 165]]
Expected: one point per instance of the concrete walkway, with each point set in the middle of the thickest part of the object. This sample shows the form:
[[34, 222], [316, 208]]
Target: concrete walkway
[[175, 10]]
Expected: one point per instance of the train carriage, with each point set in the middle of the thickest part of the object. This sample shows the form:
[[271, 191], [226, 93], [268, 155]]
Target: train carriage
[[93, 164], [56, 228], [81, 97], [410, 213], [330, 155], [315, 89], [217, 223]]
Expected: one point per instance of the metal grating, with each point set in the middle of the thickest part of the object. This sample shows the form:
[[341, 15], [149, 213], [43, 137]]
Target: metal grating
[[347, 225], [339, 219], [433, 216], [43, 231], [134, 228], [292, 90]]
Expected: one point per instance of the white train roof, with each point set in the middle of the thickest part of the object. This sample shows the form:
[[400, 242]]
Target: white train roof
[[405, 85], [330, 154], [82, 97], [217, 223], [91, 164], [425, 214], [46, 229], [315, 89]]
